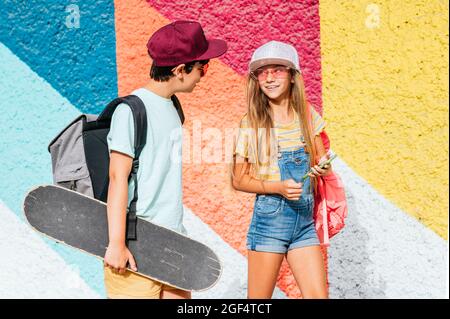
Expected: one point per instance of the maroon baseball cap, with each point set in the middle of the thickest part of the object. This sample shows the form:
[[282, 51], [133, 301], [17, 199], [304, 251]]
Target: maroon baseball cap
[[182, 42]]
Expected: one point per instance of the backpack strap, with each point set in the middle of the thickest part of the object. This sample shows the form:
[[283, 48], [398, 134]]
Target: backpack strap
[[140, 137], [177, 105]]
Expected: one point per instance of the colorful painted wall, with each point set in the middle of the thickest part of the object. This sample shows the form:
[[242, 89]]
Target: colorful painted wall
[[377, 72]]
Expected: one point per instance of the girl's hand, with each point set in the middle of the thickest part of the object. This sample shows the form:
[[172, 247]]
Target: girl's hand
[[289, 189], [317, 171], [117, 257]]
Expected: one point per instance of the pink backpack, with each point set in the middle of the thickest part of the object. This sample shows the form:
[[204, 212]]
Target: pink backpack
[[330, 209]]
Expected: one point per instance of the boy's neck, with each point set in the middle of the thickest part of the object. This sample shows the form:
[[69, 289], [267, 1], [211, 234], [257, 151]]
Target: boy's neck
[[163, 89]]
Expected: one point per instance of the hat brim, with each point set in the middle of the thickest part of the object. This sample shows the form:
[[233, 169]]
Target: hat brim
[[263, 62], [216, 48]]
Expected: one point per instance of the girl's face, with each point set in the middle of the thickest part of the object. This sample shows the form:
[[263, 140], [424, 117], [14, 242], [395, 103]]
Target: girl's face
[[274, 80]]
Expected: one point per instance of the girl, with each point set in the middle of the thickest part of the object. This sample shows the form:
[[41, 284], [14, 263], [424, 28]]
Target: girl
[[278, 144]]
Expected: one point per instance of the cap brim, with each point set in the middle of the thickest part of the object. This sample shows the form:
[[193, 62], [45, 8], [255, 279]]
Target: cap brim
[[216, 48], [268, 61]]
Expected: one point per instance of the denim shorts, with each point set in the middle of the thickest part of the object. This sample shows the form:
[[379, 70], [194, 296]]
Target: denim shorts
[[278, 224]]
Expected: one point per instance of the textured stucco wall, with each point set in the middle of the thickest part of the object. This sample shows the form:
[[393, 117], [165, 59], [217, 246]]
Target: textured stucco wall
[[77, 59], [246, 24], [32, 112], [385, 89], [380, 79]]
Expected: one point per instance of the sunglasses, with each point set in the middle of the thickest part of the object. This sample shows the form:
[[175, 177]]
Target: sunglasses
[[279, 72], [203, 69]]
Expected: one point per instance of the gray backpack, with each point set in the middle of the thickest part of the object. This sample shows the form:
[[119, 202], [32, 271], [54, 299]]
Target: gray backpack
[[80, 154]]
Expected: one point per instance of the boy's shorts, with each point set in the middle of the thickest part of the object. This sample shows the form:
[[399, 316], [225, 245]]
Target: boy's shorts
[[132, 286]]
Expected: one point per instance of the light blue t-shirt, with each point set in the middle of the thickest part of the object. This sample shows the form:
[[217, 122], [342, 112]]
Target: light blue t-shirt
[[160, 167]]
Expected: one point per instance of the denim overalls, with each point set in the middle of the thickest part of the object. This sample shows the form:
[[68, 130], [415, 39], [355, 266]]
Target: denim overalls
[[279, 224]]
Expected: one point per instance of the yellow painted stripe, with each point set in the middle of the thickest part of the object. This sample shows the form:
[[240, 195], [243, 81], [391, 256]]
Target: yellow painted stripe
[[385, 95]]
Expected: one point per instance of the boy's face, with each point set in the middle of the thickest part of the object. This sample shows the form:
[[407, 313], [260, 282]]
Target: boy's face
[[188, 81]]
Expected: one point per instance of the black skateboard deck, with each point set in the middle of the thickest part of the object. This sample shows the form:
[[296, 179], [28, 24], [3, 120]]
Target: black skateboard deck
[[160, 253]]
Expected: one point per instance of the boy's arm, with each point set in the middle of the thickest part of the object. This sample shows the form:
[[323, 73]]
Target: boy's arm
[[117, 254], [119, 170]]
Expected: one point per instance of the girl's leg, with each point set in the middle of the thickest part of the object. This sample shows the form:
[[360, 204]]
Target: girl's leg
[[263, 271], [308, 268]]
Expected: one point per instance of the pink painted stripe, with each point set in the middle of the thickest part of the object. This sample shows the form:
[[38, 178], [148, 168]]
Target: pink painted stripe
[[246, 24]]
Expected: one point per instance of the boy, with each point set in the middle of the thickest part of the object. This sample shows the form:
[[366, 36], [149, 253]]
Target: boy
[[180, 54]]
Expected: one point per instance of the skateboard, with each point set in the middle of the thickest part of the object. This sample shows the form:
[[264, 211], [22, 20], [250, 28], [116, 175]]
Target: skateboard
[[161, 254]]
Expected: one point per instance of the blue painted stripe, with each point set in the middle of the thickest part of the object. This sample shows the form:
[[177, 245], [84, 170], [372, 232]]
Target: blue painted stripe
[[80, 63]]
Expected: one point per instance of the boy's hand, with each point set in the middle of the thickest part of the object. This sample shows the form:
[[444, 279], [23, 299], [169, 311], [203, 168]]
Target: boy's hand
[[117, 257], [289, 189]]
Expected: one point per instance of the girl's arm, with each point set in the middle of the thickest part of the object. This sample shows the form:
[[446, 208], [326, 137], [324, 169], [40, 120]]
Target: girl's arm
[[319, 146], [244, 182]]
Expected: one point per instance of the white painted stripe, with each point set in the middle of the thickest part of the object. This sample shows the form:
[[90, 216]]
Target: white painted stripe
[[383, 252], [233, 281], [31, 269]]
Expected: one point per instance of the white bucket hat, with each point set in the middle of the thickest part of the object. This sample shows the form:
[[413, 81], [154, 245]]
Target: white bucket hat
[[275, 52]]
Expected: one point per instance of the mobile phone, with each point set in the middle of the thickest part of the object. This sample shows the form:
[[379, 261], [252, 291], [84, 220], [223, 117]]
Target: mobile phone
[[322, 165], [327, 162]]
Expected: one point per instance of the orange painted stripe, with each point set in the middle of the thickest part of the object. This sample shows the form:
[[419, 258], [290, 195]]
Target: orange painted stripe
[[218, 101]]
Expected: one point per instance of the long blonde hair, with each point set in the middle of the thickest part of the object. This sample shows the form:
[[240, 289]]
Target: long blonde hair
[[260, 116]]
